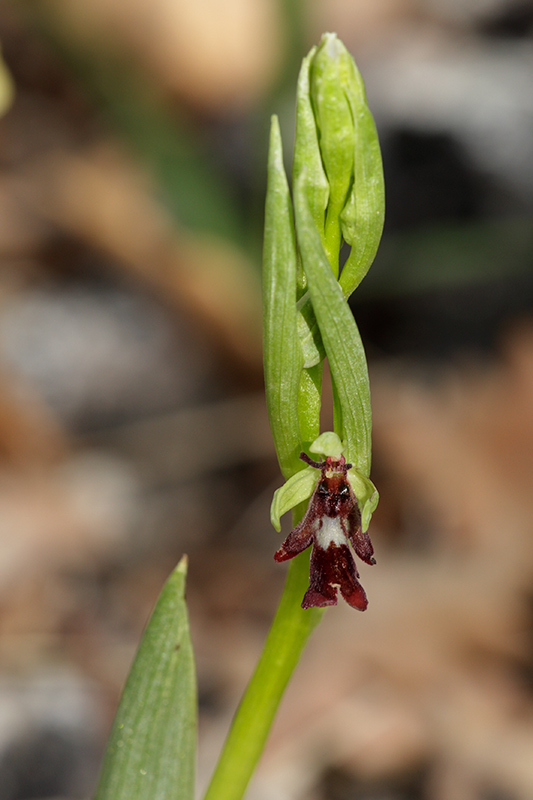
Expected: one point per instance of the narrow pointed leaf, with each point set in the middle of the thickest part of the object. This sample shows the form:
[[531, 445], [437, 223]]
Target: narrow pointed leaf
[[151, 750]]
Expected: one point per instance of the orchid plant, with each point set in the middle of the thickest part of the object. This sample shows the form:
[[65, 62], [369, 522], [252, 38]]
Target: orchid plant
[[337, 197]]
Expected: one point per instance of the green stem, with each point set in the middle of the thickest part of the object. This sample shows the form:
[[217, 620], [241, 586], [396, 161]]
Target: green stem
[[286, 640]]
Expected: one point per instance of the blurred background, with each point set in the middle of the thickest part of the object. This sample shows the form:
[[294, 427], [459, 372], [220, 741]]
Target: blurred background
[[132, 421]]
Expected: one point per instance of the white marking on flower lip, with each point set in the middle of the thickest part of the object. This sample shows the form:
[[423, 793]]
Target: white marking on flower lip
[[329, 531]]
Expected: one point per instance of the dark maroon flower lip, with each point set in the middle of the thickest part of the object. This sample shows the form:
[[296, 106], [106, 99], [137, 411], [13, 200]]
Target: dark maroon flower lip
[[331, 524]]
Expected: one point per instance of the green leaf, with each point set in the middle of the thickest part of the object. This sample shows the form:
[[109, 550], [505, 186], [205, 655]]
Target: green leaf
[[340, 336], [283, 357], [294, 491], [151, 749]]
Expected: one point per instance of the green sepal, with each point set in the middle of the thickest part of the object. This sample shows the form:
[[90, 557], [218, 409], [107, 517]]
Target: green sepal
[[327, 444], [294, 491], [367, 495]]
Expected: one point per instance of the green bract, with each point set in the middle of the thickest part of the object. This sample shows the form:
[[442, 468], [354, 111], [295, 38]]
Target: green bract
[[283, 358], [342, 343], [307, 155], [332, 83]]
